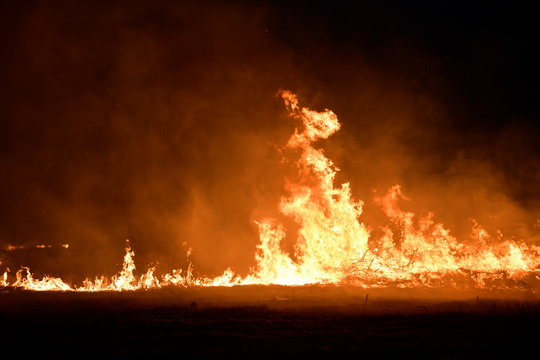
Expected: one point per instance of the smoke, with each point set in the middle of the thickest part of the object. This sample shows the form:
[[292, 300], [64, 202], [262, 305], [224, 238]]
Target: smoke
[[158, 123]]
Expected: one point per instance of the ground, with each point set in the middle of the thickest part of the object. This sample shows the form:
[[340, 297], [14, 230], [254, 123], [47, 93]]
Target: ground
[[267, 321]]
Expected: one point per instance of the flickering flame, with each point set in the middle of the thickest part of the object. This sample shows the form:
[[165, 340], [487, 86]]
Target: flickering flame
[[332, 245], [4, 279], [330, 236]]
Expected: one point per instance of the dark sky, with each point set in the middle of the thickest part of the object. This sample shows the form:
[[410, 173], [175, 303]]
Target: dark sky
[[157, 121]]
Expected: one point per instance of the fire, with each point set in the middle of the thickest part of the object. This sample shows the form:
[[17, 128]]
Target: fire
[[332, 245], [10, 247], [429, 249], [125, 280], [331, 236], [4, 279], [46, 283]]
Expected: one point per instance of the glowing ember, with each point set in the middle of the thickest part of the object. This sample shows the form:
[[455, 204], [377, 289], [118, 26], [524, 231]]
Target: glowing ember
[[333, 246], [10, 247]]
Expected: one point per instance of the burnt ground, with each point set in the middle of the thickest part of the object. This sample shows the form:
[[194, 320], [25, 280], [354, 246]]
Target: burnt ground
[[267, 321]]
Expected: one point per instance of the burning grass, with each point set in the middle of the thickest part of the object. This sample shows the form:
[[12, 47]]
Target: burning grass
[[333, 245]]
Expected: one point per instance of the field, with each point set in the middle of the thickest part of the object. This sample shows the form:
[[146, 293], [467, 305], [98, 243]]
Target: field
[[264, 321]]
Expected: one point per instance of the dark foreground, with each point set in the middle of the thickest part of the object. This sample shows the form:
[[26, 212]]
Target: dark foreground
[[265, 321]]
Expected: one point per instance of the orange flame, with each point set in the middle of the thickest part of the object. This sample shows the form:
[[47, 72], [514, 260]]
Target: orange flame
[[333, 246]]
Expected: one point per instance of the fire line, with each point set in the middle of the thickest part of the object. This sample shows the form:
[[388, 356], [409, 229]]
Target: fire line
[[332, 245]]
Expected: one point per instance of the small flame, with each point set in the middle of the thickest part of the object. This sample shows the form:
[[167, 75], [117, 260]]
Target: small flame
[[11, 247]]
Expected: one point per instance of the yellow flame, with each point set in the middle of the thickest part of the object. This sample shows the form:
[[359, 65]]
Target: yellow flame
[[4, 279], [46, 283]]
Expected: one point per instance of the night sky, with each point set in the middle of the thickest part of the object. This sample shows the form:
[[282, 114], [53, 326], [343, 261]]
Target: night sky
[[158, 121]]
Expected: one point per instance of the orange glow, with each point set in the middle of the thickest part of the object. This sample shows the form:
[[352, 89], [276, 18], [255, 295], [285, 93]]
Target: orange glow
[[333, 246]]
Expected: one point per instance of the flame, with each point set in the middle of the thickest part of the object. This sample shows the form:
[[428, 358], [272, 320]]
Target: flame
[[332, 245], [46, 283], [4, 279], [125, 280], [429, 249], [330, 236], [11, 247]]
